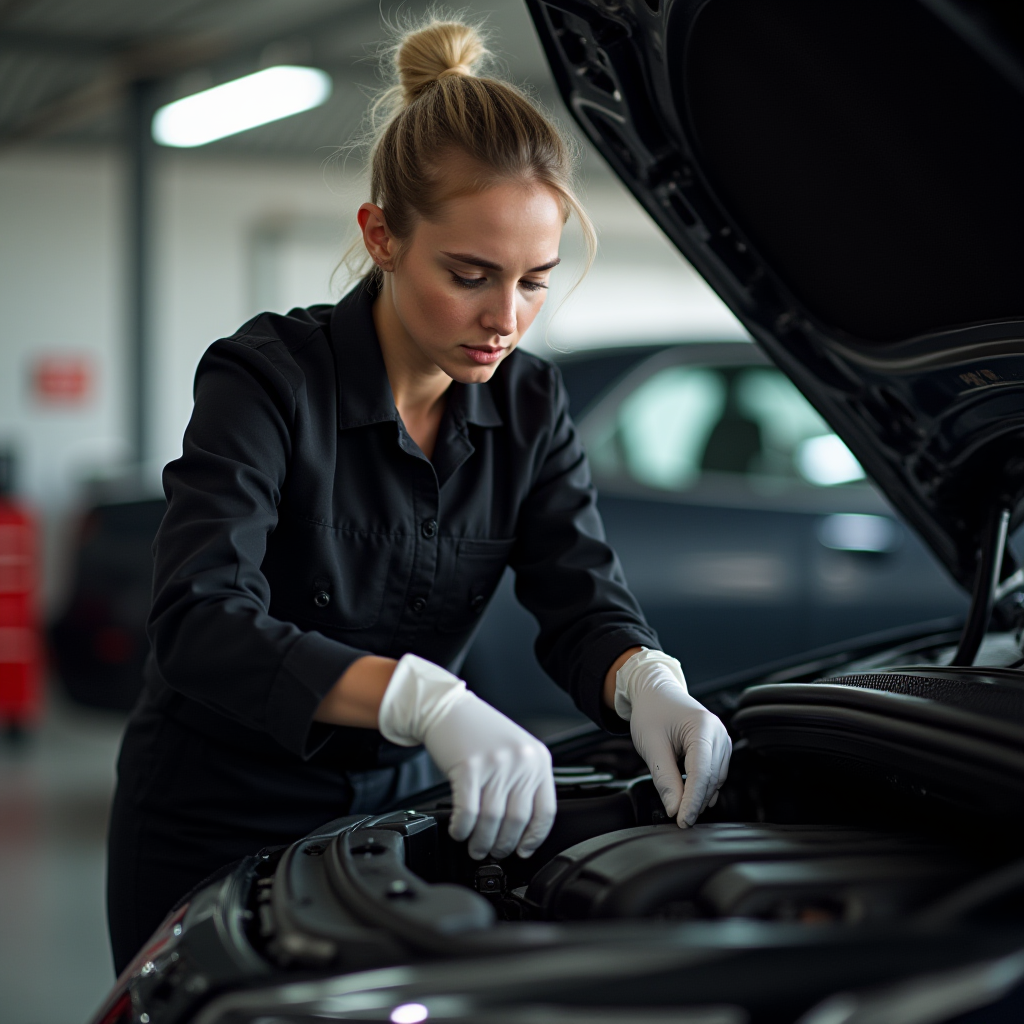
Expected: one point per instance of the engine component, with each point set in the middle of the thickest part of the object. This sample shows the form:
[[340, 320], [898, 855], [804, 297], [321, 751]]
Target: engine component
[[774, 872], [935, 741]]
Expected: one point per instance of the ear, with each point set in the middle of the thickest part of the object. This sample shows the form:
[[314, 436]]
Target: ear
[[376, 237]]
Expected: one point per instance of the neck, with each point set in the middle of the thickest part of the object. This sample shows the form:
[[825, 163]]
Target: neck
[[418, 385], [416, 382]]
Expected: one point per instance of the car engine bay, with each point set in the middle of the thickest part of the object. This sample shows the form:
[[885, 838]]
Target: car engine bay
[[870, 831]]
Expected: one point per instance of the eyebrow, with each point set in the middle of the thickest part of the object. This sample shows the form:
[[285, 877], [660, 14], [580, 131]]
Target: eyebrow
[[479, 261]]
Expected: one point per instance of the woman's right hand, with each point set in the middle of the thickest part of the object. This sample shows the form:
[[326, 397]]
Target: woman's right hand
[[503, 790]]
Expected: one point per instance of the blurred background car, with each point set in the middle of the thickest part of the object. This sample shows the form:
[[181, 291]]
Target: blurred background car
[[746, 528], [98, 642]]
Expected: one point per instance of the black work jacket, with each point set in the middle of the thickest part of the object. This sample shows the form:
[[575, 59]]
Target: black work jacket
[[305, 529]]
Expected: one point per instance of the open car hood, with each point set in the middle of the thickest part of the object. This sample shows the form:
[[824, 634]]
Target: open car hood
[[849, 177]]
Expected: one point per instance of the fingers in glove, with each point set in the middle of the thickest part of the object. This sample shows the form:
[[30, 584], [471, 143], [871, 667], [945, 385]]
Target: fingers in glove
[[545, 804], [665, 774], [518, 812], [723, 772], [721, 752], [698, 761], [465, 782], [493, 803]]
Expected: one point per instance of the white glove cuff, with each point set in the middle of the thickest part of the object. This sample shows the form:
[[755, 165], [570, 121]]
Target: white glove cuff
[[637, 669], [418, 694]]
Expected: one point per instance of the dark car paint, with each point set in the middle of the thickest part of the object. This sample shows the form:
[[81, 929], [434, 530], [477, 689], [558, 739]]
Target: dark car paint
[[847, 177], [98, 642], [588, 375], [729, 577]]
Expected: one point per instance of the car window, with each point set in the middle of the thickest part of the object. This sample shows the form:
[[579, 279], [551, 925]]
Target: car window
[[684, 423]]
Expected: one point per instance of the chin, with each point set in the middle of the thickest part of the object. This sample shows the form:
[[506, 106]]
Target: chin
[[471, 373]]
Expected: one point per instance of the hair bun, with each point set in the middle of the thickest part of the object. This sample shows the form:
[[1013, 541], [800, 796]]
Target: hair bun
[[442, 49]]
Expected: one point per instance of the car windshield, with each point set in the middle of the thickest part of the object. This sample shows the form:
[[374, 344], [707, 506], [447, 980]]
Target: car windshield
[[682, 424]]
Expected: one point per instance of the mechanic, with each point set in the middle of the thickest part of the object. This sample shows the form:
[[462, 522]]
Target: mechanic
[[353, 481]]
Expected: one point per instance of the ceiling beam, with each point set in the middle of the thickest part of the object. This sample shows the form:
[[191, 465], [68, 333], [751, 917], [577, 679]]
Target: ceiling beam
[[161, 59], [54, 44], [108, 87]]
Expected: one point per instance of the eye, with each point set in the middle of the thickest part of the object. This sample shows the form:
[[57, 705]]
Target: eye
[[532, 286], [467, 282]]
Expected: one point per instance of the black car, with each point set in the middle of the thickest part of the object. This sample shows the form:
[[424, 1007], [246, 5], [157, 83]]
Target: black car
[[746, 528], [98, 642], [848, 177]]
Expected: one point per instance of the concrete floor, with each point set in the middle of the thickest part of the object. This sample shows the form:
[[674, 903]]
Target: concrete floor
[[55, 791]]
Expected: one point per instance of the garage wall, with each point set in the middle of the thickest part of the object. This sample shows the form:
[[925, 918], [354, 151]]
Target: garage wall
[[60, 293], [215, 217], [61, 234]]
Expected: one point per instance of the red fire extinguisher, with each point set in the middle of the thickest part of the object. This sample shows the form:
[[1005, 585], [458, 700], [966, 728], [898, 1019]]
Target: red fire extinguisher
[[21, 649]]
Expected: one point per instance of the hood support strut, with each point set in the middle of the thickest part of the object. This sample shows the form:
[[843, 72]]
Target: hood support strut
[[990, 564]]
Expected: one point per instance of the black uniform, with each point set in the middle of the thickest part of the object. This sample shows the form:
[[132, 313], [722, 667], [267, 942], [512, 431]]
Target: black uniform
[[305, 529]]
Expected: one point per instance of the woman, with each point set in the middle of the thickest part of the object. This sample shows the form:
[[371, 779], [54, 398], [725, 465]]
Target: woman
[[353, 481]]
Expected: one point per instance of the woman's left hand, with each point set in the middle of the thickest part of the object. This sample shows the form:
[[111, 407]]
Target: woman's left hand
[[666, 722]]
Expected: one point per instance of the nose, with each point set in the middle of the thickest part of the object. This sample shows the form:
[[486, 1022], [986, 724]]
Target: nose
[[500, 315]]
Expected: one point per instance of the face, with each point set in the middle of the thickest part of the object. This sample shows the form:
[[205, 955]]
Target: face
[[469, 282]]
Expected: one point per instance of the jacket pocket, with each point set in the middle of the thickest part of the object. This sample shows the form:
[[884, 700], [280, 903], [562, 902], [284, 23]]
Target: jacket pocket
[[472, 578], [333, 579]]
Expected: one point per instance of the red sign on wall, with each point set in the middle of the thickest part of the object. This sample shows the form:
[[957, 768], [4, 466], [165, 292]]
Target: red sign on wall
[[62, 380]]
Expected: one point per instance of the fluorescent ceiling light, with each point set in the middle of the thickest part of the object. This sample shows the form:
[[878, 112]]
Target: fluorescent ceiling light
[[236, 106]]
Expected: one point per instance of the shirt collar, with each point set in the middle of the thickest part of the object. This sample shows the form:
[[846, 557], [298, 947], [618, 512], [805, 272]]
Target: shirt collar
[[364, 392], [474, 403]]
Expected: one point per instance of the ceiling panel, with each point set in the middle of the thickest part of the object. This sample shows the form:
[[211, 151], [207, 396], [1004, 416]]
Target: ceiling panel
[[65, 65]]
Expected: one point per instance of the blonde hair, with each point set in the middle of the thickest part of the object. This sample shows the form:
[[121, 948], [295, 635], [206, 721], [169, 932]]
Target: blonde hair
[[439, 108]]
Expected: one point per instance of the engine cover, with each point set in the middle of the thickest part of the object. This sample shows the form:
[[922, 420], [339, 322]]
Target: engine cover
[[809, 874]]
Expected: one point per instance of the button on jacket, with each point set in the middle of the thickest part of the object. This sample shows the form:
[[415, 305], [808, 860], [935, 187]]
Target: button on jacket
[[305, 529]]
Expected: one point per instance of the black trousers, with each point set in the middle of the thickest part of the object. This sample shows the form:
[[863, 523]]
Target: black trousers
[[186, 806]]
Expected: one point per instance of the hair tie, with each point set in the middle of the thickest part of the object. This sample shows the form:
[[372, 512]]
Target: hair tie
[[463, 70]]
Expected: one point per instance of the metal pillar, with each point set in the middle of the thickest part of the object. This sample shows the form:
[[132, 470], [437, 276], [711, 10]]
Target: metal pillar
[[139, 194]]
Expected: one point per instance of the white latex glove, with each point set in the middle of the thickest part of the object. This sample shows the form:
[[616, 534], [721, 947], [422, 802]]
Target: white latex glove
[[503, 790], [665, 721]]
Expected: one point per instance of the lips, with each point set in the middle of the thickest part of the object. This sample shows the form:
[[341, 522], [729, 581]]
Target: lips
[[483, 354]]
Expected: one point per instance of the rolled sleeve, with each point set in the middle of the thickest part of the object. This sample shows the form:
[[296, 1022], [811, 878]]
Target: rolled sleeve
[[307, 672]]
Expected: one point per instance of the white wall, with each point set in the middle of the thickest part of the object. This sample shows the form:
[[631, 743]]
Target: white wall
[[61, 234], [60, 292], [213, 221]]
